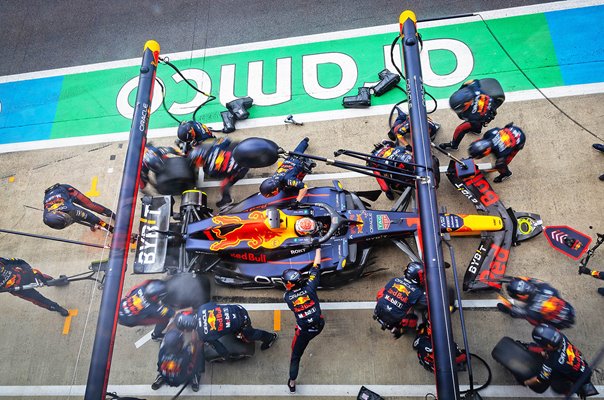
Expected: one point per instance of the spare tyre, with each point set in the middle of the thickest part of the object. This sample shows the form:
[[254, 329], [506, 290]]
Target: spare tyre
[[519, 361], [237, 349]]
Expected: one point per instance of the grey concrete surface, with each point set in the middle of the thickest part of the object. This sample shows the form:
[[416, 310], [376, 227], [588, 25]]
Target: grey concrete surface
[[555, 176], [37, 34]]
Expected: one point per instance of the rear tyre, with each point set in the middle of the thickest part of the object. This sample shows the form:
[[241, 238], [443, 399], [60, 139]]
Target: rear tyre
[[519, 361], [188, 290], [176, 176]]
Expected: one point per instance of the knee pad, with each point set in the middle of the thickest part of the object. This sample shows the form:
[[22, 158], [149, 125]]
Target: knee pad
[[57, 220]]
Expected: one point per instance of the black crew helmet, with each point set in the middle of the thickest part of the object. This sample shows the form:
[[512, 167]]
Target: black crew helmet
[[155, 290], [190, 131], [57, 219], [292, 278], [520, 289], [153, 158], [193, 131], [480, 148], [547, 336], [269, 187], [173, 341], [414, 272]]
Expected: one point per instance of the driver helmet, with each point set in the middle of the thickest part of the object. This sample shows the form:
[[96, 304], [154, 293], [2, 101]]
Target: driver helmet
[[292, 278], [415, 273], [57, 219], [480, 148], [193, 131], [269, 187], [306, 226], [547, 336], [520, 289], [155, 290], [173, 341]]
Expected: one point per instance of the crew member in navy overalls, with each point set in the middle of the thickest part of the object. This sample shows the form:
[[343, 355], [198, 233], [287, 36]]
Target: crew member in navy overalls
[[289, 175], [15, 273], [191, 134], [395, 300], [477, 112], [423, 345], [61, 209], [563, 365], [302, 299], [143, 306], [402, 127], [538, 302], [180, 360], [213, 321], [504, 144], [153, 160], [217, 162]]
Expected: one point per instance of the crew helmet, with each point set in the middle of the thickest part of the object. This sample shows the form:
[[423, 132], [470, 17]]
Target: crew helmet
[[480, 148], [414, 272], [520, 289], [155, 290], [173, 341], [547, 336], [269, 187], [292, 278]]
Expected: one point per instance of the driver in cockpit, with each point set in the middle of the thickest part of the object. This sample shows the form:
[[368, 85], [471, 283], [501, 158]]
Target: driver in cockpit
[[306, 226]]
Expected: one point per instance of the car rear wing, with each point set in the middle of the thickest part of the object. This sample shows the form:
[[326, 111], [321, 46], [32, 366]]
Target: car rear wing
[[152, 243]]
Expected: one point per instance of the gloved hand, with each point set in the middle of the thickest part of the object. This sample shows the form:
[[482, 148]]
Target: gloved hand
[[584, 270], [397, 333], [186, 322], [503, 308], [295, 204]]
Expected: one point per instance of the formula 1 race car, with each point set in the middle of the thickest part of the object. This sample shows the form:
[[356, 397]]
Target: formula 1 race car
[[256, 240]]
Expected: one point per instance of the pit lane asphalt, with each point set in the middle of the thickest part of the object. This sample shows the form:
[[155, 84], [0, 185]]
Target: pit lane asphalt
[[552, 177], [555, 176]]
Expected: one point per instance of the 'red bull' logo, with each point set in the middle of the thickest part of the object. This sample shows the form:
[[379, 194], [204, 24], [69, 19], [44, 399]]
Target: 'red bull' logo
[[233, 230], [301, 300], [212, 320], [302, 303], [401, 288]]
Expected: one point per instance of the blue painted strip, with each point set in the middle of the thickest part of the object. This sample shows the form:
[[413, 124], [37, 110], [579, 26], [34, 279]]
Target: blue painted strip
[[581, 52], [31, 103]]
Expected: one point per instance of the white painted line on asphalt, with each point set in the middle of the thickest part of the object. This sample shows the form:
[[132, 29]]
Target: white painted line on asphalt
[[523, 95], [348, 305], [356, 305], [391, 28], [318, 177], [314, 391], [143, 340]]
